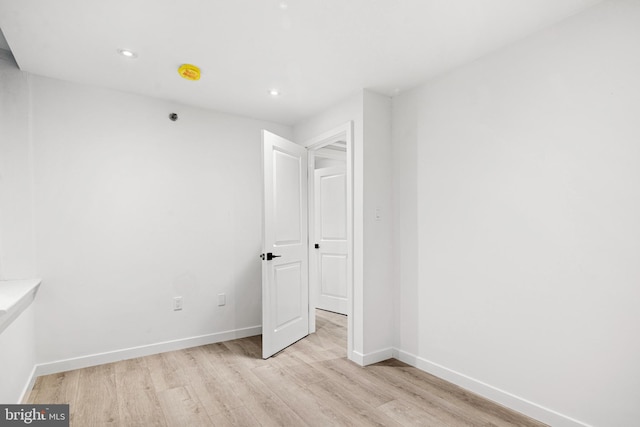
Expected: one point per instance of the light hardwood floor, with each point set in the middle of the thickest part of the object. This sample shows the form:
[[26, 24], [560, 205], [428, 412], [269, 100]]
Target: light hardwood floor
[[308, 384]]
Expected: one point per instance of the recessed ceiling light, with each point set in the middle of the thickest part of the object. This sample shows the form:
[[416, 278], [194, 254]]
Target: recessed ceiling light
[[127, 53], [274, 92], [283, 5]]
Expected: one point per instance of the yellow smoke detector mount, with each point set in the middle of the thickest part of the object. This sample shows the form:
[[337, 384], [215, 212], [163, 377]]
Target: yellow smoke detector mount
[[189, 72]]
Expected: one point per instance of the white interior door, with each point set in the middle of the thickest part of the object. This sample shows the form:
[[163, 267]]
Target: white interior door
[[285, 282], [329, 271]]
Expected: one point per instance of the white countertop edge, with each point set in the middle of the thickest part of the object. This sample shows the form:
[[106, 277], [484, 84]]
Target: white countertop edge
[[15, 297]]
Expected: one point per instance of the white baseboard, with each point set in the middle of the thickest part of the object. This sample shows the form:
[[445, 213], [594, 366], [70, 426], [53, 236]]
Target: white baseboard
[[487, 391], [373, 357], [146, 350], [357, 357]]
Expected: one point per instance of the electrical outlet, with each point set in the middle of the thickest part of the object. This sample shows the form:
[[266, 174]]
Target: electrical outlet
[[222, 299], [177, 303]]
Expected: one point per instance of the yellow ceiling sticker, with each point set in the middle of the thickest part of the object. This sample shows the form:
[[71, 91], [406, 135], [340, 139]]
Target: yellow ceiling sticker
[[189, 72]]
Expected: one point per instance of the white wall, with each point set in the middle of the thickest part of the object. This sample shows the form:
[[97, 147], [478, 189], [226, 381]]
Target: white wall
[[373, 288], [378, 241], [134, 209], [521, 172], [333, 117], [131, 210], [17, 251], [17, 258], [17, 357], [405, 220]]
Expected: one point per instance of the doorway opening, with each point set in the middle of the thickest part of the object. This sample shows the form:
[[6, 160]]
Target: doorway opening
[[289, 242], [330, 195]]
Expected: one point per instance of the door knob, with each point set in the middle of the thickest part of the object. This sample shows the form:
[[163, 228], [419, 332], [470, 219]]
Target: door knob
[[269, 256]]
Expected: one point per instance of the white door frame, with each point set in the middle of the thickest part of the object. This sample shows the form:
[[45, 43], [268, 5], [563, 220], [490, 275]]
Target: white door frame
[[341, 133]]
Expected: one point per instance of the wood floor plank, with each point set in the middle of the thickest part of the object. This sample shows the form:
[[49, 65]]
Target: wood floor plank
[[261, 401], [240, 417], [310, 383], [439, 409], [244, 353], [451, 393], [165, 371], [216, 360], [138, 403], [453, 399], [215, 391], [353, 407], [304, 373], [308, 407], [373, 394], [417, 397], [181, 407], [409, 415], [55, 388], [96, 402]]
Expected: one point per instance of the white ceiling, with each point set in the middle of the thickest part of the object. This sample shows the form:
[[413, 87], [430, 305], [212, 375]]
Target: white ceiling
[[316, 52]]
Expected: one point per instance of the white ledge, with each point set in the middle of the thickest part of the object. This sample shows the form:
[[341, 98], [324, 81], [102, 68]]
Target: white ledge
[[15, 297]]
